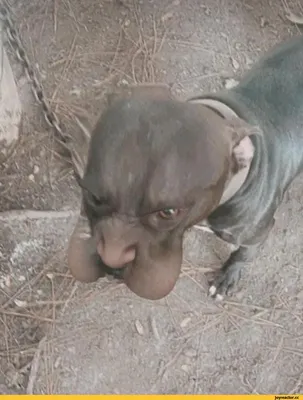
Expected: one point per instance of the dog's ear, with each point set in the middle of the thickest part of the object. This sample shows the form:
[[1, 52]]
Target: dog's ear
[[242, 148], [158, 91], [238, 129]]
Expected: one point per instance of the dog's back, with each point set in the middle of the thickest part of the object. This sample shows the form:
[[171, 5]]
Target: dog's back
[[273, 89]]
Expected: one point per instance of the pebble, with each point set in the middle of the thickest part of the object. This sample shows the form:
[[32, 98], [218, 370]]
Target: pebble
[[230, 83]]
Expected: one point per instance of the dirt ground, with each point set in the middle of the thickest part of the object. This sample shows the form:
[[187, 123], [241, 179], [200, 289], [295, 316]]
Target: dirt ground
[[58, 336]]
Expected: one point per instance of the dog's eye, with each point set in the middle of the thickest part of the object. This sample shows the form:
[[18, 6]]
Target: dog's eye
[[169, 213], [97, 200]]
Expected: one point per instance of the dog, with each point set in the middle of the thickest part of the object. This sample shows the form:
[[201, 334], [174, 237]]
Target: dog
[[158, 166]]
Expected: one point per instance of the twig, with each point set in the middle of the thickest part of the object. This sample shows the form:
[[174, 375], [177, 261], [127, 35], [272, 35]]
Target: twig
[[23, 215], [34, 368], [16, 314], [68, 63]]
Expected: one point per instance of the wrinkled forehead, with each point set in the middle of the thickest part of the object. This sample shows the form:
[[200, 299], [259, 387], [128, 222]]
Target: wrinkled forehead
[[181, 176], [163, 148]]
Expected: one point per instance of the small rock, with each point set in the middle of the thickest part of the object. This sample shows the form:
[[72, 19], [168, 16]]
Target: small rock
[[31, 177], [36, 169], [230, 83], [123, 82], [76, 92]]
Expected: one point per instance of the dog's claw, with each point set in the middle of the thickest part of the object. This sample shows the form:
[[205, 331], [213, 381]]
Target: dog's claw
[[212, 290], [213, 293]]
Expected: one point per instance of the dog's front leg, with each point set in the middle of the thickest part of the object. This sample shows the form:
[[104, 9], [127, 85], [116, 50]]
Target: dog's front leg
[[230, 273]]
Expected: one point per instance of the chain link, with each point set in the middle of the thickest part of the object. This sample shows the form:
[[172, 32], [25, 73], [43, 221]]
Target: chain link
[[18, 48]]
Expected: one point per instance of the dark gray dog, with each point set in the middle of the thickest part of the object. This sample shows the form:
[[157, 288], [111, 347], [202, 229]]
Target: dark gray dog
[[157, 166]]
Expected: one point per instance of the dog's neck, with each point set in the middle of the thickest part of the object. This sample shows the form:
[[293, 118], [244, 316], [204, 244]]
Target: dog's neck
[[237, 180]]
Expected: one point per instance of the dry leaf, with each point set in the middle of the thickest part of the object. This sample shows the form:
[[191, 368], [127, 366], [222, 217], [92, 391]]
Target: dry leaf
[[295, 19], [235, 63], [139, 327], [20, 303], [185, 322]]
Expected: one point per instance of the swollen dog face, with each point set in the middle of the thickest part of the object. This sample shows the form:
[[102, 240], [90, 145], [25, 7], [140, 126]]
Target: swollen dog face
[[156, 166]]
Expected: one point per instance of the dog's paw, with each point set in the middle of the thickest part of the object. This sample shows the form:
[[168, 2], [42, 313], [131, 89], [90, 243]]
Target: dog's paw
[[223, 284], [213, 293]]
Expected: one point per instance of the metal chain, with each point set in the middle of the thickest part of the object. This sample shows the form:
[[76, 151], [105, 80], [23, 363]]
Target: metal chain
[[18, 48]]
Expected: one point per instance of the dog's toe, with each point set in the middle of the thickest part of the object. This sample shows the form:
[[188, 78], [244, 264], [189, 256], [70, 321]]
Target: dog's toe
[[224, 283]]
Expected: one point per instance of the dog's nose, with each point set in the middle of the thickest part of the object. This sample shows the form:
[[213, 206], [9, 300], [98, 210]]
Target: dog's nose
[[115, 256]]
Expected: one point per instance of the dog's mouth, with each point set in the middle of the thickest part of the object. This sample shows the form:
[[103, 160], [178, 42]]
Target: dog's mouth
[[152, 281], [148, 278], [105, 270], [116, 273]]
